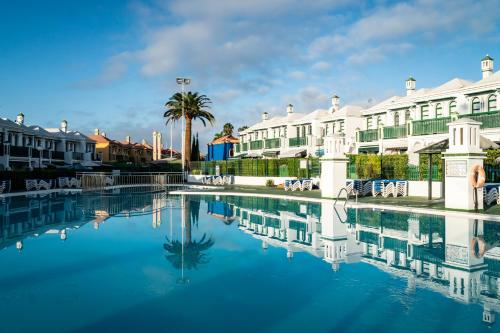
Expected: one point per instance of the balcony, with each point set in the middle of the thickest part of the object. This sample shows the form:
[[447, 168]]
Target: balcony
[[255, 145], [58, 155], [489, 119], [297, 142], [395, 132], [273, 143], [19, 151], [368, 135], [77, 156], [430, 126], [237, 148], [244, 146], [35, 153]]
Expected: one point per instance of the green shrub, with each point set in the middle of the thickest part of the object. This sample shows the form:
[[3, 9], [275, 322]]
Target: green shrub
[[270, 183]]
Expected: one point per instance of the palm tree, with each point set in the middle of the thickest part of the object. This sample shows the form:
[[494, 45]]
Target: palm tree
[[228, 129], [196, 106]]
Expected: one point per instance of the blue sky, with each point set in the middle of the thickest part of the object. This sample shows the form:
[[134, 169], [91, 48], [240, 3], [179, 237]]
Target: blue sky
[[112, 64]]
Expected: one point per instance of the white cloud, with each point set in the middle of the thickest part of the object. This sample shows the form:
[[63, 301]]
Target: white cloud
[[321, 66]]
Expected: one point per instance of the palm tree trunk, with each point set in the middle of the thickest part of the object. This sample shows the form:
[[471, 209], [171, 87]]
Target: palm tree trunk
[[187, 220], [187, 142]]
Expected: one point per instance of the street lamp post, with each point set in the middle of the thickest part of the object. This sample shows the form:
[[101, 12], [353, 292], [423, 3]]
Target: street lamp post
[[183, 81]]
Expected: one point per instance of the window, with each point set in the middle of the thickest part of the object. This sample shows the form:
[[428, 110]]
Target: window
[[369, 122], [453, 107], [379, 121], [492, 103], [424, 112], [310, 129], [341, 127], [476, 105], [439, 110], [396, 118], [407, 115]]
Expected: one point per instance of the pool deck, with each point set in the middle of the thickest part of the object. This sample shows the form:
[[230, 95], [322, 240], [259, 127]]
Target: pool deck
[[408, 204]]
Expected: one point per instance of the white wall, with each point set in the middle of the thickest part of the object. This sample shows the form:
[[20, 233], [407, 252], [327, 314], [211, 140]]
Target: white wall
[[419, 189]]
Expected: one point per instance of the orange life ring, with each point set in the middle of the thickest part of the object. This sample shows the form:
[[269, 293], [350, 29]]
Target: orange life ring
[[478, 247], [477, 176]]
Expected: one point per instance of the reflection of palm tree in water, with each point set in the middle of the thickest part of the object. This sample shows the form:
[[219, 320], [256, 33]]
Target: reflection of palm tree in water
[[188, 253]]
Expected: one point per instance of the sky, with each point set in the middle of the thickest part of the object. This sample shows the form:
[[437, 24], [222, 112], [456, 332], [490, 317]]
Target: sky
[[112, 64]]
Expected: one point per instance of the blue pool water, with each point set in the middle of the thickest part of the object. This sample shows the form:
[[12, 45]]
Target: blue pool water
[[137, 261]]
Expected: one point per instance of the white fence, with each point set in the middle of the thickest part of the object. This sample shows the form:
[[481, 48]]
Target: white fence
[[91, 181]]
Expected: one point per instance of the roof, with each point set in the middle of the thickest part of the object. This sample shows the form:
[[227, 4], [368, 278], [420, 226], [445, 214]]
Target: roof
[[225, 139], [410, 78], [487, 58]]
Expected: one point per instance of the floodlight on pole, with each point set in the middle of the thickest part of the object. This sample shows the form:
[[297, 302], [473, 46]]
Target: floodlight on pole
[[183, 81]]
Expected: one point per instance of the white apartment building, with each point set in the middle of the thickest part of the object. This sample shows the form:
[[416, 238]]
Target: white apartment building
[[23, 146], [396, 125], [300, 134]]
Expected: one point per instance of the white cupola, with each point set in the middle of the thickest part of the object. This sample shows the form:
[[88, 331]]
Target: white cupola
[[20, 119], [487, 66], [265, 116], [97, 131], [289, 109], [128, 139], [411, 84], [335, 103], [64, 126]]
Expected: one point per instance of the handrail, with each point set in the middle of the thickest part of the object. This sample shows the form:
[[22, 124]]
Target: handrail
[[346, 196]]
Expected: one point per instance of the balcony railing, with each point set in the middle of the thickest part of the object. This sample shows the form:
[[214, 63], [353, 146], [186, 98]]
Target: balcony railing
[[489, 119], [254, 145], [368, 135], [237, 148], [77, 156], [19, 151], [58, 155], [273, 143], [430, 126], [320, 141], [296, 142], [395, 132], [244, 146]]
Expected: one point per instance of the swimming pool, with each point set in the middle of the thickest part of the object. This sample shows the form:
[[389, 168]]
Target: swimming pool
[[135, 260]]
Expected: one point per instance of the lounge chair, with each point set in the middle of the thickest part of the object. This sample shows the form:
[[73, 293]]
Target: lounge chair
[[306, 184], [4, 186], [44, 184], [31, 184], [491, 194]]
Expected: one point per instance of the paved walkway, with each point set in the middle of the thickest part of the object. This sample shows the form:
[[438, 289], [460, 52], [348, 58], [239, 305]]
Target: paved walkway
[[414, 202]]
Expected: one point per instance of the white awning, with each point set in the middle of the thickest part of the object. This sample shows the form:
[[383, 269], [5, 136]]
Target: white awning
[[293, 153], [89, 164]]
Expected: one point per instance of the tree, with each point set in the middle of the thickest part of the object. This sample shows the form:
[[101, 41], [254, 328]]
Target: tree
[[228, 129], [195, 149], [196, 106], [242, 128]]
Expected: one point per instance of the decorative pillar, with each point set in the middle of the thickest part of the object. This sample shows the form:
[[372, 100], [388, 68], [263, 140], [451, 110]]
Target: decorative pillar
[[333, 168], [462, 155]]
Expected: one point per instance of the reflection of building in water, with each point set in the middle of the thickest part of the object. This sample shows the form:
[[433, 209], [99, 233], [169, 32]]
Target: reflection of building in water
[[22, 217], [455, 256]]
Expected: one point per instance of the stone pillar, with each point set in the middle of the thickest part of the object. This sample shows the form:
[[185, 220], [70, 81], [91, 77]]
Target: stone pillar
[[462, 155], [333, 168]]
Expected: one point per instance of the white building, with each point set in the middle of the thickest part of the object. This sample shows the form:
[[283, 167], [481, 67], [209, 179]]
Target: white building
[[398, 124], [300, 134], [24, 146]]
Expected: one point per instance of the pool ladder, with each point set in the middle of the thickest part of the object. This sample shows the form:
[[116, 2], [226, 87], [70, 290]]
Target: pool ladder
[[346, 196]]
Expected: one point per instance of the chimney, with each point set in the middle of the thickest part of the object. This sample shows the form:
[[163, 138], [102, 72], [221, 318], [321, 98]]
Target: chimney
[[289, 109], [128, 139], [487, 66], [97, 132], [64, 126], [20, 119], [335, 103], [265, 116], [410, 86]]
